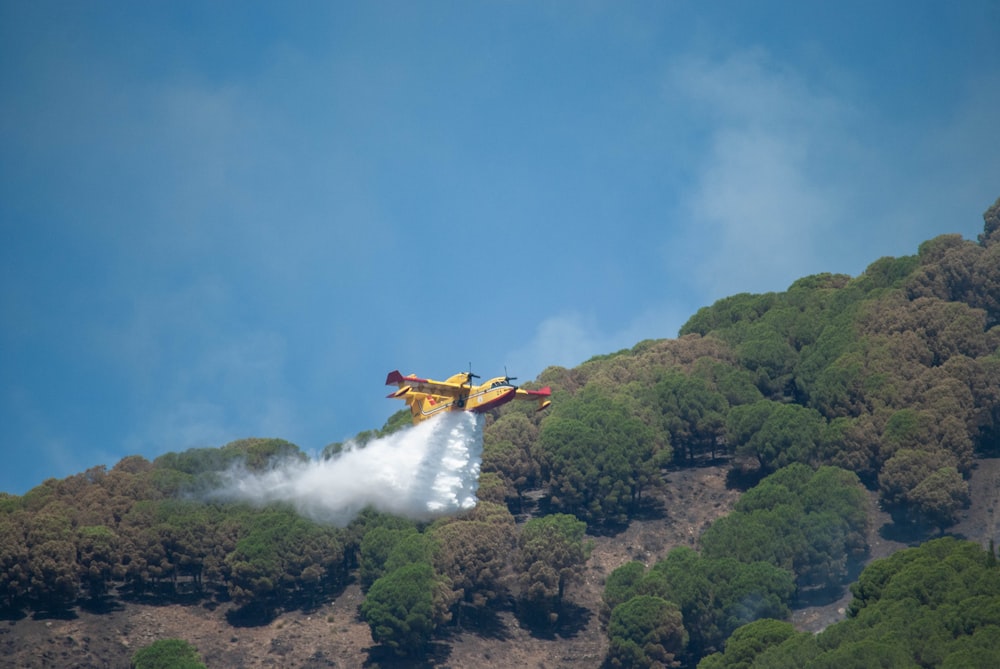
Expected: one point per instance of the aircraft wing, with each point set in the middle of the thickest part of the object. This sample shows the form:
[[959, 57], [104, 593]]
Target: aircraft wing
[[543, 396], [413, 383]]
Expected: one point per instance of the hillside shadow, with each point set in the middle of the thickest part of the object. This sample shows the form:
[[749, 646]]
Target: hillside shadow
[[163, 594], [482, 622], [907, 533], [55, 614], [818, 596], [651, 508], [101, 605], [381, 657], [743, 478], [572, 620], [807, 598], [607, 529], [12, 614], [312, 601], [702, 461], [251, 615]]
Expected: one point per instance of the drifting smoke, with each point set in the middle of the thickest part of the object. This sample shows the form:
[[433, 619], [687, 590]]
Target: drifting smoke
[[431, 469]]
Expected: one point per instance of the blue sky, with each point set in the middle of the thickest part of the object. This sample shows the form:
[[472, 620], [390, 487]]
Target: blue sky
[[231, 219]]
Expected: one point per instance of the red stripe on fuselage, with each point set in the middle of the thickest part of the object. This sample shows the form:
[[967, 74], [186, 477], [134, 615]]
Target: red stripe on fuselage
[[495, 402]]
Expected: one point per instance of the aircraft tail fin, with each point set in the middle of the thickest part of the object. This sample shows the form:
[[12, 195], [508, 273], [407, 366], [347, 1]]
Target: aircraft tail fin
[[394, 377]]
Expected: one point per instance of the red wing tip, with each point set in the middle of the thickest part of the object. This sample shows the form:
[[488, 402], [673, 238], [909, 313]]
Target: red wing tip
[[544, 392]]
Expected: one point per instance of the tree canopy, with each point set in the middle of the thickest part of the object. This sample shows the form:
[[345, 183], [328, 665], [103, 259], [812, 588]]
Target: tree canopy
[[808, 522], [714, 596]]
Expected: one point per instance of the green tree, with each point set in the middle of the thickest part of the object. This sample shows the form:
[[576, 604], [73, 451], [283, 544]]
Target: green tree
[[258, 453], [507, 451], [168, 654], [472, 553], [748, 642], [865, 654], [283, 558], [600, 457], [376, 546], [775, 434], [646, 631], [54, 579], [552, 555], [694, 415], [991, 224], [170, 540], [768, 355], [734, 383], [414, 547], [741, 308], [955, 270], [716, 596], [838, 390], [15, 575], [620, 586], [99, 559], [923, 484], [400, 608], [978, 650], [195, 461], [940, 496], [493, 489], [936, 605], [808, 522], [796, 651]]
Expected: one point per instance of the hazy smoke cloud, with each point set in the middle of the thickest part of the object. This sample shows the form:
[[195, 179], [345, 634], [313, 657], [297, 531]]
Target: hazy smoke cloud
[[429, 470]]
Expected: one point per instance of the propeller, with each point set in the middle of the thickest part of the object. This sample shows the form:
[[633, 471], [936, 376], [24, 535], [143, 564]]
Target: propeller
[[469, 375], [507, 377]]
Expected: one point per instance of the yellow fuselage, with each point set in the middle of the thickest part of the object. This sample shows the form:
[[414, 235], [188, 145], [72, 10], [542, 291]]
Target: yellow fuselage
[[427, 397], [477, 399]]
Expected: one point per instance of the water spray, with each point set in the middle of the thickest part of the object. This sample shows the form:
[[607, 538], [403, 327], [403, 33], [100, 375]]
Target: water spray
[[420, 472]]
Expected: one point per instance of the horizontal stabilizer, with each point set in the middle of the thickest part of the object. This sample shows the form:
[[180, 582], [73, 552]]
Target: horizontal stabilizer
[[395, 377]]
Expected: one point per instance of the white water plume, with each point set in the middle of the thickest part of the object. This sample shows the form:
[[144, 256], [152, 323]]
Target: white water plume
[[428, 470]]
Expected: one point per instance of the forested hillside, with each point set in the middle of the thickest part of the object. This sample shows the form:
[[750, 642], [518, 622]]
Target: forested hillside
[[813, 397]]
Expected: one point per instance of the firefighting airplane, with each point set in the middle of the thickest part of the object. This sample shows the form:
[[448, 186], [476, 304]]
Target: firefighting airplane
[[427, 397]]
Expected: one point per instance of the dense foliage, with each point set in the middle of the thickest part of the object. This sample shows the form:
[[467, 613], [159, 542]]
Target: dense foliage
[[889, 380], [808, 522], [82, 536], [893, 375], [551, 557], [893, 340], [714, 597], [795, 530], [937, 605], [400, 608], [646, 630]]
